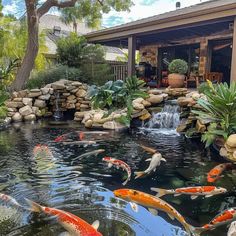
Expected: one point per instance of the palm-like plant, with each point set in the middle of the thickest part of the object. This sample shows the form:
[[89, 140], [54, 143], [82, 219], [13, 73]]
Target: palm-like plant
[[220, 109]]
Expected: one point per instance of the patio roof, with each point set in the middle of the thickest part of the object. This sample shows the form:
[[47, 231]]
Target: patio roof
[[202, 18]]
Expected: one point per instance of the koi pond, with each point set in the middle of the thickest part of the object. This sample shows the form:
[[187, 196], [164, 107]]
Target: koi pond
[[85, 186]]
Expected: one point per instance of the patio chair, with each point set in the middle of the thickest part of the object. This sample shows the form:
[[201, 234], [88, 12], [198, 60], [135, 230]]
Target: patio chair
[[214, 77]]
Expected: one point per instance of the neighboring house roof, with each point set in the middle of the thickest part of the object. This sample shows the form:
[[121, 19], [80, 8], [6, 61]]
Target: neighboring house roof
[[49, 22], [200, 12]]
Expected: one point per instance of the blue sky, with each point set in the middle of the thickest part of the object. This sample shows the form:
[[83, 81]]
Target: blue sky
[[141, 9]]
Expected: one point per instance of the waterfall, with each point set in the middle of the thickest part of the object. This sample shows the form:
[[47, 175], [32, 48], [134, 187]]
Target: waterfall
[[57, 114], [168, 118]]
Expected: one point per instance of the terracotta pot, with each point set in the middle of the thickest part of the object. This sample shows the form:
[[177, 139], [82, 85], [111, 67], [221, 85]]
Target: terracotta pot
[[176, 80]]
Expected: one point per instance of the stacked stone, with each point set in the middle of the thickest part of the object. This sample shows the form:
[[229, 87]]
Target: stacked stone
[[28, 105], [229, 149]]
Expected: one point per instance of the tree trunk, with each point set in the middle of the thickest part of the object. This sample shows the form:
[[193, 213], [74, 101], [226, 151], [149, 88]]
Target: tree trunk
[[27, 65]]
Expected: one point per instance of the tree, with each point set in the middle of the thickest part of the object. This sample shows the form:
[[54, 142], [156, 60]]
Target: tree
[[1, 8], [35, 11]]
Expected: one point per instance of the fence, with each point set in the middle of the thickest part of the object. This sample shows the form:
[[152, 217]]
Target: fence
[[119, 69]]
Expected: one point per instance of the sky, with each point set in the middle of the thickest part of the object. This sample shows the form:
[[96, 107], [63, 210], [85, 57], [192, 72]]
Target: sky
[[141, 9]]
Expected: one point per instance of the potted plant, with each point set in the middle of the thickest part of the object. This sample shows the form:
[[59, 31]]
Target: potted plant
[[177, 69]]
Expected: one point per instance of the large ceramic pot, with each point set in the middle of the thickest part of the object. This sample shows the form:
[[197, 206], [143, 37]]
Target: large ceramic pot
[[176, 80]]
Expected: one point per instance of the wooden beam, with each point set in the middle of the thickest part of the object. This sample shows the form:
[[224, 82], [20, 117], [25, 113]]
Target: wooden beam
[[131, 55], [233, 63]]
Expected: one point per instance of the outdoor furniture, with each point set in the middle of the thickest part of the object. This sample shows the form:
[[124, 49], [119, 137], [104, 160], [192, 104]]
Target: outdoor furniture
[[214, 77], [192, 79]]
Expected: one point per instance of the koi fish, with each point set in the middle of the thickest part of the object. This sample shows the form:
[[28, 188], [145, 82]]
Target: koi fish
[[42, 150], [232, 229], [214, 174], [207, 191], [148, 149], [152, 203], [95, 152], [65, 136], [223, 218], [96, 132], [119, 164], [9, 199], [72, 223], [84, 142], [154, 162]]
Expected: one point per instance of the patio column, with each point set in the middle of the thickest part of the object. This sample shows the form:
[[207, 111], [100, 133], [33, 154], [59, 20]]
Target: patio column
[[131, 55], [233, 63]]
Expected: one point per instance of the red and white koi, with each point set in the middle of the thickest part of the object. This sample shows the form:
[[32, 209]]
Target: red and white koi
[[72, 223], [152, 203], [215, 173], [207, 191], [64, 137], [119, 164], [9, 199], [41, 150]]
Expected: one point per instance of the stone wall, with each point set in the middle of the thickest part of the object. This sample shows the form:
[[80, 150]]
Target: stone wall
[[29, 105]]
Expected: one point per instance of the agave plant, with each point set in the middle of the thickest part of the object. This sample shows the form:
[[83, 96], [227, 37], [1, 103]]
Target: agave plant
[[220, 109]]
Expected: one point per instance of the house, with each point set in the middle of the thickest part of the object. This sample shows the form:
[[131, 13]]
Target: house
[[55, 29], [204, 35]]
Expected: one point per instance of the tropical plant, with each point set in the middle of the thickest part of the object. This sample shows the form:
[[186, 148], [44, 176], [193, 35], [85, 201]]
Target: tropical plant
[[178, 66], [117, 95], [55, 73], [220, 109]]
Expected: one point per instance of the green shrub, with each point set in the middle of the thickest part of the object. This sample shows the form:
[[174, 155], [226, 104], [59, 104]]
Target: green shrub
[[178, 66], [53, 74]]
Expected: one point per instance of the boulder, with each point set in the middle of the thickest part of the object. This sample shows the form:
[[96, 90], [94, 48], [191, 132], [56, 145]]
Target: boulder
[[155, 99], [39, 103], [84, 106], [30, 117], [66, 94], [45, 97], [80, 114], [137, 106], [231, 141], [113, 125], [17, 117], [23, 93], [155, 91], [26, 110], [77, 106], [10, 104], [98, 116], [9, 109], [70, 88], [139, 113], [146, 103], [201, 128], [88, 124], [146, 116], [184, 101], [45, 90], [59, 85], [27, 101], [11, 113], [87, 116], [81, 93], [17, 99], [70, 106], [34, 94], [76, 83], [7, 120]]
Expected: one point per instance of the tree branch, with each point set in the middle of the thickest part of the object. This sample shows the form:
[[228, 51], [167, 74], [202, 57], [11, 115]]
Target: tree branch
[[101, 2], [54, 3]]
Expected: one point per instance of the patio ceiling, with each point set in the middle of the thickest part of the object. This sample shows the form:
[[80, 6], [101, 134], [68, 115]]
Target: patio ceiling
[[172, 36]]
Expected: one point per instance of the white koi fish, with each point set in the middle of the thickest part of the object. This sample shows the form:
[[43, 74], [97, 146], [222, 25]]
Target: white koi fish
[[84, 142], [95, 152], [154, 162], [232, 229], [9, 199], [119, 164]]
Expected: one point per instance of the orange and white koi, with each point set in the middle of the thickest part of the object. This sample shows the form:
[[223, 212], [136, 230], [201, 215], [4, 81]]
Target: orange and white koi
[[215, 173], [152, 203], [72, 223], [41, 150], [154, 162], [119, 164], [226, 217], [207, 191], [9, 199], [64, 137]]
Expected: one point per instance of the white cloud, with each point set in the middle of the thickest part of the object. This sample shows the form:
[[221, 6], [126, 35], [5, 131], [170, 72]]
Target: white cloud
[[139, 11]]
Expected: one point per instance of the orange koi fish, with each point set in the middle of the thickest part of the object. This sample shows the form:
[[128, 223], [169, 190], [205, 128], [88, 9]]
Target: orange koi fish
[[119, 164], [42, 150], [214, 174], [226, 217], [72, 223], [153, 204], [64, 137], [9, 199], [207, 191]]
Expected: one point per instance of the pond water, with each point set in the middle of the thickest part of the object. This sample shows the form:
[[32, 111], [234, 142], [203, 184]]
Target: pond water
[[84, 187]]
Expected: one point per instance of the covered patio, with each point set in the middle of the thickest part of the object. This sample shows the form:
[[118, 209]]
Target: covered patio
[[203, 35]]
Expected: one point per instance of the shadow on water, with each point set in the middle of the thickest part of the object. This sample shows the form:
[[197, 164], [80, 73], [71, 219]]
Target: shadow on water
[[85, 187]]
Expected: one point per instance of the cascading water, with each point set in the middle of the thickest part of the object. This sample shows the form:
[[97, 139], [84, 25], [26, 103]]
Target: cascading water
[[168, 118], [57, 114]]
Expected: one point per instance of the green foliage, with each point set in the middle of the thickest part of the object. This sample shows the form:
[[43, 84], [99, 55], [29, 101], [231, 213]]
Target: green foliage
[[117, 95], [204, 88], [74, 51], [220, 109], [1, 7], [178, 66], [53, 74]]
